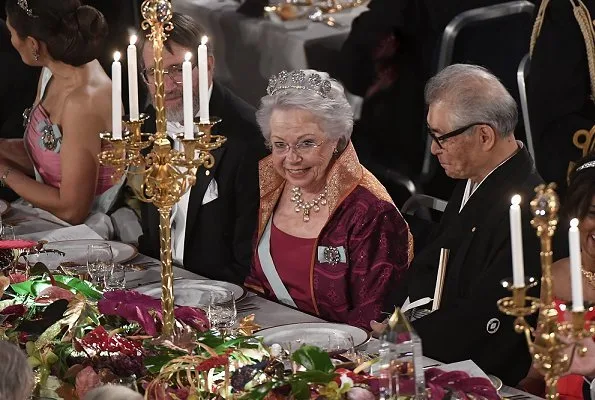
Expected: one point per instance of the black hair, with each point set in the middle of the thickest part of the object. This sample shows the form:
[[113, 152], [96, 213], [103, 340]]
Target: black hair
[[73, 33]]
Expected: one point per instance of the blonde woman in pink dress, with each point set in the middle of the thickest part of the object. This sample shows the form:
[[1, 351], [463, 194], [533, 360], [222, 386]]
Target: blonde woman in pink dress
[[55, 167]]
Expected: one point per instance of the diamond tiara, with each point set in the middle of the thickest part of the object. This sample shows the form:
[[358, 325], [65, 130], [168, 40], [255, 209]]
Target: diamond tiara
[[299, 80], [589, 164], [23, 4]]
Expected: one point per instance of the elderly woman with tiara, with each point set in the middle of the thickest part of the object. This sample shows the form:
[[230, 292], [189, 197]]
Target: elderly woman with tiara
[[330, 240]]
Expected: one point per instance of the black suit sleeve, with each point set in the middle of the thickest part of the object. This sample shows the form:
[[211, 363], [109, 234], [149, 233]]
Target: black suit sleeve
[[145, 241], [246, 209], [462, 330]]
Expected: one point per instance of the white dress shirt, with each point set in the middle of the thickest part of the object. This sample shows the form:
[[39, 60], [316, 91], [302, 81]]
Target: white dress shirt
[[472, 187], [180, 209]]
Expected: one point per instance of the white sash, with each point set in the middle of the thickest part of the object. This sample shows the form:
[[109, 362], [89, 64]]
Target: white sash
[[269, 269]]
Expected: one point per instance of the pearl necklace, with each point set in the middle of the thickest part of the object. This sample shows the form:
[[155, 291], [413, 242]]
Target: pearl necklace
[[306, 206]]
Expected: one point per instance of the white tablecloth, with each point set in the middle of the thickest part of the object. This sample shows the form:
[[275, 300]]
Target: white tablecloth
[[249, 50]]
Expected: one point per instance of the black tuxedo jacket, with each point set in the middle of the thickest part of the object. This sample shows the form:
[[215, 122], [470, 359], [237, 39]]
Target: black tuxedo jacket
[[468, 323], [218, 242]]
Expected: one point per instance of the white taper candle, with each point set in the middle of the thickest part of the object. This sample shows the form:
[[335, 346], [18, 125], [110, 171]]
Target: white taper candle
[[116, 97], [203, 81], [576, 280], [187, 87], [516, 242], [132, 79]]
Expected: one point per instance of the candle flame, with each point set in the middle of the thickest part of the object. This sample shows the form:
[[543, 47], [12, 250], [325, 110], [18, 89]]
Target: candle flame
[[133, 39], [516, 200], [188, 56], [574, 223], [117, 56], [204, 40]]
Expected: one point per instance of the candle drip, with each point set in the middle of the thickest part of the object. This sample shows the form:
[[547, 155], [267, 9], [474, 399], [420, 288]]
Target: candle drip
[[306, 206]]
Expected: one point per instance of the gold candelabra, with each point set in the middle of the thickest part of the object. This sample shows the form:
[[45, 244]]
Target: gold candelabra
[[550, 341], [165, 174]]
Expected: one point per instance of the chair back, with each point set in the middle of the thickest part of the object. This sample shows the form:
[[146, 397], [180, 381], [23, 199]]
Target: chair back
[[496, 37], [521, 76], [422, 213]]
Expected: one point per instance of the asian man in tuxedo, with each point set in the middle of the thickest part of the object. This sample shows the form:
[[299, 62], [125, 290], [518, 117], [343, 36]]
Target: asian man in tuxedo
[[213, 224]]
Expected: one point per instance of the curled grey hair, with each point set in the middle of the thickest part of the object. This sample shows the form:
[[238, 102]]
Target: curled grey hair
[[333, 112], [16, 376], [112, 392], [473, 94]]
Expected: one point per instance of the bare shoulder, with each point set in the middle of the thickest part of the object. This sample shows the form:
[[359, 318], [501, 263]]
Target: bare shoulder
[[561, 278], [90, 103]]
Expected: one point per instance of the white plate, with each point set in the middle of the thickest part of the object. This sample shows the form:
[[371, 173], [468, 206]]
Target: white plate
[[195, 293], [76, 251], [319, 334], [4, 207]]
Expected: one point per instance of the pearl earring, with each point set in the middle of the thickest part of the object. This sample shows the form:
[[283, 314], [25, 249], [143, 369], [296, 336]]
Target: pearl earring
[[36, 54]]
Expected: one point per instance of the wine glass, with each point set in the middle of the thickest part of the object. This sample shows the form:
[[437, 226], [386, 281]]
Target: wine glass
[[99, 261], [115, 278], [339, 344], [7, 232], [221, 310]]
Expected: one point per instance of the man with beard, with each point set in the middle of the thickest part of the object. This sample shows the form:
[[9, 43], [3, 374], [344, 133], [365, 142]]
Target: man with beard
[[213, 223]]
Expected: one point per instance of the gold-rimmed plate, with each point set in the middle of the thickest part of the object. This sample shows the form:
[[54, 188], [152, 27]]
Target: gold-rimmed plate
[[496, 382], [196, 292], [313, 333]]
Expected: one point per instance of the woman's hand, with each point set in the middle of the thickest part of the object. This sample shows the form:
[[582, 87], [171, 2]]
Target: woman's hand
[[582, 364]]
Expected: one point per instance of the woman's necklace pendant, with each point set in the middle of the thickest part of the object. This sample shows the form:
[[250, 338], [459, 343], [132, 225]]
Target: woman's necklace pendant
[[306, 206]]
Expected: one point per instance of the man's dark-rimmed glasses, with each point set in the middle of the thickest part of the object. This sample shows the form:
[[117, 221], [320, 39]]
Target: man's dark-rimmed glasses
[[456, 132], [174, 72]]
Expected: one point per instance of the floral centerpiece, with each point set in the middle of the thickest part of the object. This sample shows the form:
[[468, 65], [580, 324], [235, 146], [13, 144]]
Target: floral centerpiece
[[77, 338]]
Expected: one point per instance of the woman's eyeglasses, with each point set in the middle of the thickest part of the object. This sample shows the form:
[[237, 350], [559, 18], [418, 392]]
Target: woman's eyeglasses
[[174, 72], [440, 139], [301, 148]]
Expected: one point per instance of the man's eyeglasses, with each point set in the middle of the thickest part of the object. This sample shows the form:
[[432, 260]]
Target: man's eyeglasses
[[174, 72], [301, 148], [440, 139]]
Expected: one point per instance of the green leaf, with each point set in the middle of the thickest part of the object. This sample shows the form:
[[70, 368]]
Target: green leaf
[[49, 335], [315, 376], [23, 288], [231, 343], [300, 390], [259, 392], [155, 363], [80, 286], [39, 269], [313, 358]]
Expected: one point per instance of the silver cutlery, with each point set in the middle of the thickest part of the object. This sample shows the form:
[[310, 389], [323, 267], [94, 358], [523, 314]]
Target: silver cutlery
[[318, 16]]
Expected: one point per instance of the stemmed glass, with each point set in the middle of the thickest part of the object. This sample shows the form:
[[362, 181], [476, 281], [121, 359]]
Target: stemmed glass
[[221, 310], [99, 262], [115, 278], [7, 232]]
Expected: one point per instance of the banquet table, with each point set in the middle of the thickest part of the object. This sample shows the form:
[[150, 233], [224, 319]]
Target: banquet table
[[267, 313], [249, 50]]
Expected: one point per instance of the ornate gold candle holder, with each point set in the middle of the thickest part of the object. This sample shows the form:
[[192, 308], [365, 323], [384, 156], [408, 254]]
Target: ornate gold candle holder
[[550, 341], [162, 174]]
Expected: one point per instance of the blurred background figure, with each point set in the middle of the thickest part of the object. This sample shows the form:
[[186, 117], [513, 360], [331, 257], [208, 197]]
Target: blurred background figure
[[561, 87], [16, 376]]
